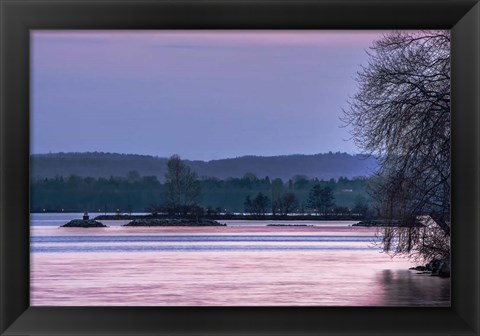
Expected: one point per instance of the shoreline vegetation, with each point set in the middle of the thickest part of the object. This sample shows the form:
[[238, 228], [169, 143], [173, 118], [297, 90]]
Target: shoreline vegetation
[[264, 193]]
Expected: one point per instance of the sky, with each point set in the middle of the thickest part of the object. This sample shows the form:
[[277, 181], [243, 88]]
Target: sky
[[204, 95]]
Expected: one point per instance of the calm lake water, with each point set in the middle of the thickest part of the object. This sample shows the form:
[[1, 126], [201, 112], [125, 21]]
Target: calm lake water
[[245, 263]]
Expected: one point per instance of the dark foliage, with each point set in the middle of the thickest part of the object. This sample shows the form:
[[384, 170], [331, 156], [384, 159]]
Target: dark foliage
[[135, 193], [321, 199]]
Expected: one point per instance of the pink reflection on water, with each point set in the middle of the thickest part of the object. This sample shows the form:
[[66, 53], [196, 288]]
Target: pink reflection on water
[[212, 278], [229, 278]]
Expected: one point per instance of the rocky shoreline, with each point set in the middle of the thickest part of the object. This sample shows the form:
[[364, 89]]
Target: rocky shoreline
[[84, 223], [435, 267]]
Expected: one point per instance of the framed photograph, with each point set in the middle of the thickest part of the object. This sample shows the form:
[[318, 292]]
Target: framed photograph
[[239, 167]]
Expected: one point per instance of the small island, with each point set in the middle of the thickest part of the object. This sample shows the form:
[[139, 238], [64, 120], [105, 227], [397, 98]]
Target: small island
[[84, 223], [173, 222]]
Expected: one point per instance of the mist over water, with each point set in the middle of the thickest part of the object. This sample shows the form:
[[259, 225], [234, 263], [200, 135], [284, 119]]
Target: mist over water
[[242, 264]]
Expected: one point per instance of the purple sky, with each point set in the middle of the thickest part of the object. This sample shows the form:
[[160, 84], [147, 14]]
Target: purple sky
[[201, 94]]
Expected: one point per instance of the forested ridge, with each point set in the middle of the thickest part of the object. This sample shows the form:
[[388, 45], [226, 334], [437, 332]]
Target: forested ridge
[[97, 164]]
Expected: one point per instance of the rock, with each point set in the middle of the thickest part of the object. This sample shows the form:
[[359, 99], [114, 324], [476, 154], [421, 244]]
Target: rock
[[367, 223], [173, 222], [84, 223], [435, 267], [418, 268]]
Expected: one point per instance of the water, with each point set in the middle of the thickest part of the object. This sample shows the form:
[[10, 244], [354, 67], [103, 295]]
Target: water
[[243, 264]]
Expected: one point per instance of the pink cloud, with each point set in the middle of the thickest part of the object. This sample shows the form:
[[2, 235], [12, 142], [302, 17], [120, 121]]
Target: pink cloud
[[129, 54], [222, 37]]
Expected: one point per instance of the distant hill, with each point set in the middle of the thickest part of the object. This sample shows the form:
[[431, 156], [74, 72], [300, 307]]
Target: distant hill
[[98, 164]]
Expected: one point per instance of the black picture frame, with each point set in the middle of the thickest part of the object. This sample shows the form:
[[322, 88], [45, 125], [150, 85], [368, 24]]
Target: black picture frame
[[18, 17]]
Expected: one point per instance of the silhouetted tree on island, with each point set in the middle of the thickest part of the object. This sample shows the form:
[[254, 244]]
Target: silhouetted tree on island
[[258, 206], [401, 114], [288, 203], [182, 187], [320, 199]]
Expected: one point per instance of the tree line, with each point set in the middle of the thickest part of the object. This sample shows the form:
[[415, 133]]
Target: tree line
[[320, 201], [183, 192]]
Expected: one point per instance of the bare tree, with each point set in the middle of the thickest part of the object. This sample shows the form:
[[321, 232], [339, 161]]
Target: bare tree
[[401, 114], [183, 189]]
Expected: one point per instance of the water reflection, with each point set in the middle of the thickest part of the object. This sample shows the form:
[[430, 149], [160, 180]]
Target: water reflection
[[409, 288], [237, 265], [232, 278]]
